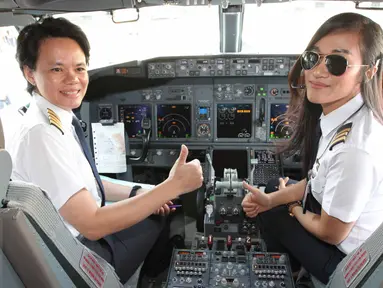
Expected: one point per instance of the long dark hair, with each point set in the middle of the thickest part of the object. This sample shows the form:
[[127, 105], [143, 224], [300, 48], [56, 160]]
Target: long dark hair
[[305, 115]]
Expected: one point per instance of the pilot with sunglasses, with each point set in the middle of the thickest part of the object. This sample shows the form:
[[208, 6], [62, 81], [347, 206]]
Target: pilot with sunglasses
[[336, 103]]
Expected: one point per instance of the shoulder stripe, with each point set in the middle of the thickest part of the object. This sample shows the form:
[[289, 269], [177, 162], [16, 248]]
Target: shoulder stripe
[[341, 135], [52, 114], [54, 120]]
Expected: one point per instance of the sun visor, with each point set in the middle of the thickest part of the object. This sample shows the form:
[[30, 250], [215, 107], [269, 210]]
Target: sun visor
[[7, 4], [70, 5], [9, 19]]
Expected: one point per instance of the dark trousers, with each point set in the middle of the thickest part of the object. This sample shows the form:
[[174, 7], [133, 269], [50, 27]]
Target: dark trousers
[[127, 249], [284, 234]]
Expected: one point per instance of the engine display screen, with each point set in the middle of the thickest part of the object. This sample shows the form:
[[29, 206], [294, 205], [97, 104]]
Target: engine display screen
[[174, 121], [234, 120], [132, 115], [280, 127]]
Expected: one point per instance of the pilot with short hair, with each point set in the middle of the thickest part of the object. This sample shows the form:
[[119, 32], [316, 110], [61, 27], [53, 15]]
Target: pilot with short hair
[[339, 132], [49, 151]]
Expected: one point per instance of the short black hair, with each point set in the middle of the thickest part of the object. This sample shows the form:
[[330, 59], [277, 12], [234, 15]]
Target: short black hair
[[31, 37]]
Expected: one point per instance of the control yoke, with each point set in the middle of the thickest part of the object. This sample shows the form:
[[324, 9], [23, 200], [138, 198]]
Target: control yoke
[[146, 125]]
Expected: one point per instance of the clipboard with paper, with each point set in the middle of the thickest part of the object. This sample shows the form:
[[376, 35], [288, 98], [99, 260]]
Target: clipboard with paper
[[109, 147]]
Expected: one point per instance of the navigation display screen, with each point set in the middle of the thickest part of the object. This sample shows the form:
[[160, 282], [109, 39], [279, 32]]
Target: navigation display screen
[[234, 120], [174, 121], [280, 127], [132, 115]]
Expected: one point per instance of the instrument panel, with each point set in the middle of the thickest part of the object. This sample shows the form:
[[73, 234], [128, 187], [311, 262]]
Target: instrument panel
[[174, 121], [234, 120], [224, 110], [217, 66], [280, 128], [226, 102], [242, 263], [132, 116]]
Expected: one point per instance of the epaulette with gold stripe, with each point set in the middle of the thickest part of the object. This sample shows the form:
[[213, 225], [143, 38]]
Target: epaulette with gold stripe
[[55, 120], [341, 135]]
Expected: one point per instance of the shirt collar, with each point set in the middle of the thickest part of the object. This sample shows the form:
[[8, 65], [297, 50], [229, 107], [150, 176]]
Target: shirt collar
[[64, 116], [335, 118]]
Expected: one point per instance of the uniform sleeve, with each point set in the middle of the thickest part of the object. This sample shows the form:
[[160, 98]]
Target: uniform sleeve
[[351, 179], [48, 163]]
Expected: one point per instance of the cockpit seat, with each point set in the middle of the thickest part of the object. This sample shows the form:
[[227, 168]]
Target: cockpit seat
[[37, 244], [9, 277], [363, 268], [32, 211]]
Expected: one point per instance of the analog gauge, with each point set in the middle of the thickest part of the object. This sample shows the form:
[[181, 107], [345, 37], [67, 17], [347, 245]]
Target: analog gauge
[[105, 113], [203, 130]]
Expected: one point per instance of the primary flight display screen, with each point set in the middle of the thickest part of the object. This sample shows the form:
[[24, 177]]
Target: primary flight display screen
[[234, 120], [174, 121], [279, 126], [132, 115]]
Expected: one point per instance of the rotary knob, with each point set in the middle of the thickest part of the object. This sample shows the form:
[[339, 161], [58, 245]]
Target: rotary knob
[[274, 91]]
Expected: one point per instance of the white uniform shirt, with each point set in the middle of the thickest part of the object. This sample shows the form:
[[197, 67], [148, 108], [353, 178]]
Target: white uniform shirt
[[348, 179], [53, 160], [11, 119]]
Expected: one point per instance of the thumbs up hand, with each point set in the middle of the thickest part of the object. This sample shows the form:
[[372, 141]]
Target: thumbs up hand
[[188, 176], [255, 202]]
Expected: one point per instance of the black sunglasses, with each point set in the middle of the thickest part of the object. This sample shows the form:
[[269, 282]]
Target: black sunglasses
[[336, 64]]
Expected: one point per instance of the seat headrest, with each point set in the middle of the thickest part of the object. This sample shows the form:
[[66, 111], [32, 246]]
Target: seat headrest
[[2, 141], [5, 172]]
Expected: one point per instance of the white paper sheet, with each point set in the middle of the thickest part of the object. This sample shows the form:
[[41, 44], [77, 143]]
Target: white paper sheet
[[109, 147]]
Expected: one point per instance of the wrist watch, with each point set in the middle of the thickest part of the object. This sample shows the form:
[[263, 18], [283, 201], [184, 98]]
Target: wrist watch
[[291, 205], [134, 190]]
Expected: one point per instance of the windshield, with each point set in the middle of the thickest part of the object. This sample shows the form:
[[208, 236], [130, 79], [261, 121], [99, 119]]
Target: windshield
[[280, 28], [10, 74]]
